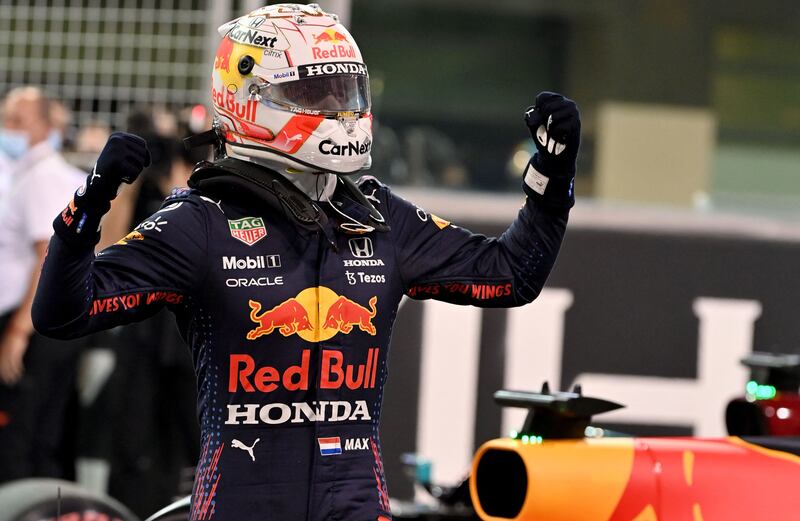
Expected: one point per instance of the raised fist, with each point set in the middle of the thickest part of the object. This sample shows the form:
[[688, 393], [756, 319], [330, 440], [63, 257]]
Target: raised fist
[[555, 126], [121, 161]]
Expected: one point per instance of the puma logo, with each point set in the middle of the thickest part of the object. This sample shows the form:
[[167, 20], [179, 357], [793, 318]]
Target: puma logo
[[296, 137], [236, 444], [372, 197]]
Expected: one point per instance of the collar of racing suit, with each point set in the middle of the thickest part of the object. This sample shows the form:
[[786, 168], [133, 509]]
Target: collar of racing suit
[[230, 175], [319, 186]]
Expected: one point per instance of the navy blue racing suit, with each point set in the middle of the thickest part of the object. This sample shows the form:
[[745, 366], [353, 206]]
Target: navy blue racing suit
[[290, 335]]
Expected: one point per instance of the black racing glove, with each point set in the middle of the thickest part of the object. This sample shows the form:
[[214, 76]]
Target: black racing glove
[[555, 126], [121, 161]]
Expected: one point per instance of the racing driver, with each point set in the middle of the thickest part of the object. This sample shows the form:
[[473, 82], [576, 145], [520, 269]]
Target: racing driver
[[285, 275]]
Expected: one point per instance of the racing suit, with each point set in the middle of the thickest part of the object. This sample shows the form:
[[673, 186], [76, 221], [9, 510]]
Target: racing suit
[[290, 334]]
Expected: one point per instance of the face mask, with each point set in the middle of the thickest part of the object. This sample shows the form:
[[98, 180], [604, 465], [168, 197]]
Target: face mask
[[55, 139], [13, 142]]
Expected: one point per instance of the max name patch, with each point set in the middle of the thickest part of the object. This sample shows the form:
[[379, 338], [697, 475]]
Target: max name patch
[[249, 230], [333, 446]]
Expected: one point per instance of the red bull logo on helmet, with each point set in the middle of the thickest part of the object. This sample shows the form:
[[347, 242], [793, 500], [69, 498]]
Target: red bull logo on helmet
[[331, 43], [223, 57], [315, 314], [227, 101], [330, 36], [338, 51]]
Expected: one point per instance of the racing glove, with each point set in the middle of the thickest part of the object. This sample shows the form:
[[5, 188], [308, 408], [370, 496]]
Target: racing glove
[[555, 125], [121, 161]]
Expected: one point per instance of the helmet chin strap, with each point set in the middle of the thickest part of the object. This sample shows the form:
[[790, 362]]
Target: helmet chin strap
[[317, 186], [320, 187]]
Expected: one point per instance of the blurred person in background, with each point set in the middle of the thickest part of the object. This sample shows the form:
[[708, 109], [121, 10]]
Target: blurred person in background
[[60, 119], [89, 141], [5, 173], [285, 275], [37, 375]]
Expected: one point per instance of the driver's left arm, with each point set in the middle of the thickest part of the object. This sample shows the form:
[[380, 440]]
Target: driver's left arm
[[442, 261]]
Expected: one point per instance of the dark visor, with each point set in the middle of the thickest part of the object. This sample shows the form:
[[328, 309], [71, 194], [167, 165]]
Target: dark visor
[[330, 95]]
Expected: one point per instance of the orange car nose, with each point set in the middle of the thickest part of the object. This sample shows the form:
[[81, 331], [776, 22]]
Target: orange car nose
[[629, 479]]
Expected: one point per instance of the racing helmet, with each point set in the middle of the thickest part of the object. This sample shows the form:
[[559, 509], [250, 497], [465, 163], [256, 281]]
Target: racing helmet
[[290, 88]]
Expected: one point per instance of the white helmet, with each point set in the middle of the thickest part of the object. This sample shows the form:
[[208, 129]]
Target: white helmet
[[290, 87]]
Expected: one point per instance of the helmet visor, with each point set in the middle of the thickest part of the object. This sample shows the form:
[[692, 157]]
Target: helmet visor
[[327, 95]]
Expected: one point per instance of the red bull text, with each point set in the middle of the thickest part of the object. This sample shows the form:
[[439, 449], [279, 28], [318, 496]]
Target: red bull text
[[334, 373], [228, 102]]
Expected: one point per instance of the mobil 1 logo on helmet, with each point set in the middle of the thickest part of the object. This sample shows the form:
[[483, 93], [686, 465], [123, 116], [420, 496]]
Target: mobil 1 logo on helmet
[[248, 230]]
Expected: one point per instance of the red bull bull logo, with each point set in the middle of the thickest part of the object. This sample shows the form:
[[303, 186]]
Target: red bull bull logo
[[288, 318], [337, 45], [344, 314], [329, 36], [315, 314]]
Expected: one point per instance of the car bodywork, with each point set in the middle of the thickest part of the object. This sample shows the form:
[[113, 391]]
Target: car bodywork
[[563, 476]]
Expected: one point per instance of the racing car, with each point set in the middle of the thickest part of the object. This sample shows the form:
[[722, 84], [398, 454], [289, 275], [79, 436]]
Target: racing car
[[559, 468]]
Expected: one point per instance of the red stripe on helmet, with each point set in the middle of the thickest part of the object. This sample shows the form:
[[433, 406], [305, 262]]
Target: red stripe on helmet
[[297, 130]]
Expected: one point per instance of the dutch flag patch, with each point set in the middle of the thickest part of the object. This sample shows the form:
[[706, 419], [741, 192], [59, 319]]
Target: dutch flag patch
[[330, 446]]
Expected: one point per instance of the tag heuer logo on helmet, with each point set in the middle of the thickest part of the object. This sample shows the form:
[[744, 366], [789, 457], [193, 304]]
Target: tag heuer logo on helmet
[[326, 69], [249, 230]]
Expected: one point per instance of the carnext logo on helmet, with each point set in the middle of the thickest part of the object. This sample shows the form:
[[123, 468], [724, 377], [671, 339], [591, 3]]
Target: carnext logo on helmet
[[354, 148], [326, 69], [252, 37]]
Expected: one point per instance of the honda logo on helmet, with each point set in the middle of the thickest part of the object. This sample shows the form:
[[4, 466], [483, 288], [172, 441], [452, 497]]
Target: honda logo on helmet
[[361, 247], [325, 69], [256, 22]]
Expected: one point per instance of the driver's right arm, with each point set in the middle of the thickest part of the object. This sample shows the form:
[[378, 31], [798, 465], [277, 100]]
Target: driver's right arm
[[162, 262]]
